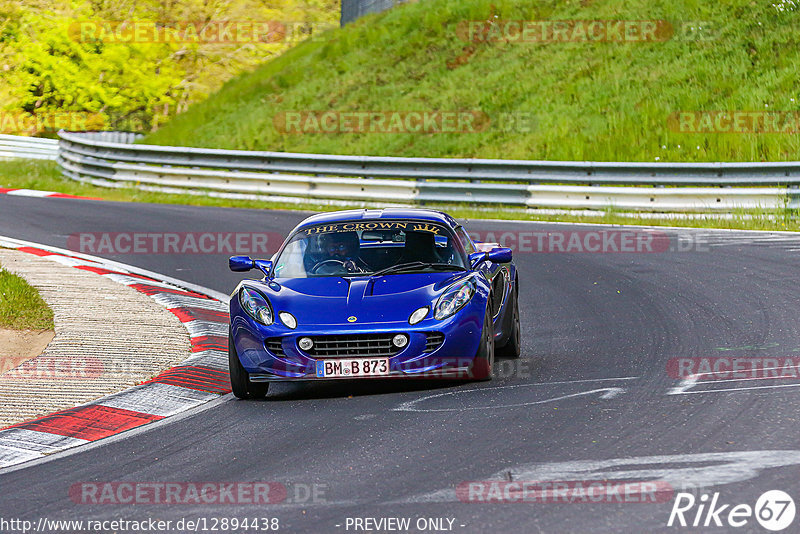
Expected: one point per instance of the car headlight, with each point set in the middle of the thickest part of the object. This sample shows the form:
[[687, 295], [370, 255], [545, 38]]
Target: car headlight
[[419, 315], [288, 319], [256, 305], [454, 298]]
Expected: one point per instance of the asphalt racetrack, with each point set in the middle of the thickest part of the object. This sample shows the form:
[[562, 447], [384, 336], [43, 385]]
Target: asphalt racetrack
[[593, 397]]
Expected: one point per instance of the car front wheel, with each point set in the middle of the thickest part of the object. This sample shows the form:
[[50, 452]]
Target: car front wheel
[[484, 360], [241, 385], [512, 347]]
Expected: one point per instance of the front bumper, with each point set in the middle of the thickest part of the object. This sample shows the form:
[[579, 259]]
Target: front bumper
[[453, 358], [443, 373]]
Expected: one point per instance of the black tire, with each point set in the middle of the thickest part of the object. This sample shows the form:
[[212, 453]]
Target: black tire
[[513, 345], [241, 385], [483, 365]]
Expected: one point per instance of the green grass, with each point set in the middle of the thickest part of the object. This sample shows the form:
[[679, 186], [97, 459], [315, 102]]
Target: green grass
[[21, 306], [23, 174], [592, 101]]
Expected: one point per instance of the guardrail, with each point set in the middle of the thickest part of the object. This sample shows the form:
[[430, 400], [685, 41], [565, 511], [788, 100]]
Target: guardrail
[[354, 9], [111, 159], [17, 147]]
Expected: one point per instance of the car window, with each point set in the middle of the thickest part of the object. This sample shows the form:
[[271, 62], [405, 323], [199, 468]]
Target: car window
[[357, 249], [466, 242]]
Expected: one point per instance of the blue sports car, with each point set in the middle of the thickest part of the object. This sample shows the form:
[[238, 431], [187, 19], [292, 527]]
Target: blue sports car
[[396, 292]]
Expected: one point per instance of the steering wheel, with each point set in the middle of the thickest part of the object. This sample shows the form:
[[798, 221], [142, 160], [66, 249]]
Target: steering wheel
[[316, 268]]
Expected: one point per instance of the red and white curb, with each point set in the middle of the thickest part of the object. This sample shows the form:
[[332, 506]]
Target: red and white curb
[[39, 194], [198, 379]]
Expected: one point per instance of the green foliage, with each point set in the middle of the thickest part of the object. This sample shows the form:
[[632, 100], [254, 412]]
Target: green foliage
[[21, 306], [591, 100], [48, 65]]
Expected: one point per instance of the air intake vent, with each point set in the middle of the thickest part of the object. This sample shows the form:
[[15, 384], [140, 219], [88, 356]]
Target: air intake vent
[[275, 346], [433, 341], [366, 345]]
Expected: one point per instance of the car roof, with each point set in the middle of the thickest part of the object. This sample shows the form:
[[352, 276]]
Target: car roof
[[420, 214]]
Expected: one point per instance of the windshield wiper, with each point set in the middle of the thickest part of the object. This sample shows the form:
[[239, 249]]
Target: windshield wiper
[[444, 267], [418, 265]]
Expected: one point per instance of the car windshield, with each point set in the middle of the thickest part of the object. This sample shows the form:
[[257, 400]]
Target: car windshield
[[369, 248]]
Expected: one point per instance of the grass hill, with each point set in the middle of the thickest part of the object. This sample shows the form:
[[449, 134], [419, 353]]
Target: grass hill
[[608, 100]]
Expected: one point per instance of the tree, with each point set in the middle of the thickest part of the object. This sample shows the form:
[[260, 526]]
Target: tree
[[131, 65]]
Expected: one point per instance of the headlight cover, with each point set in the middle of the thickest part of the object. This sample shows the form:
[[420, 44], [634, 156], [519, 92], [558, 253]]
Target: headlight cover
[[454, 298], [288, 319], [419, 315], [256, 305]]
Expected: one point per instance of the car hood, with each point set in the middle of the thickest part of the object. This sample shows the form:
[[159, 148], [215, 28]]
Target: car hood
[[333, 300]]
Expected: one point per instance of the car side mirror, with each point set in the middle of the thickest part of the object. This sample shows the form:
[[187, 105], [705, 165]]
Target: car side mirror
[[476, 258], [264, 265], [242, 264], [499, 255], [496, 255]]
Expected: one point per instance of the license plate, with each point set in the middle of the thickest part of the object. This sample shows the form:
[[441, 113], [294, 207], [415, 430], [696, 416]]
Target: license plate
[[352, 368]]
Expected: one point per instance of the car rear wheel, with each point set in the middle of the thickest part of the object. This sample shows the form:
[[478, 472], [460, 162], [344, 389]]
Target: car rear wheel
[[484, 360], [512, 347], [241, 385]]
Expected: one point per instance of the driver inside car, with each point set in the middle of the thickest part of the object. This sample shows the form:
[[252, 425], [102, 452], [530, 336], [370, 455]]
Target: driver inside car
[[344, 247]]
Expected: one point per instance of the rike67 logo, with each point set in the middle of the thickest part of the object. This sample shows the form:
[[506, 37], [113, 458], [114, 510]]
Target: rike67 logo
[[774, 510]]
